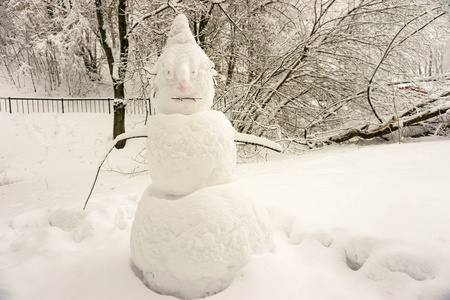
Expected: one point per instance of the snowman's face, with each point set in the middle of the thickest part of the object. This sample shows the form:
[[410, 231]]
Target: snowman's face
[[184, 80]]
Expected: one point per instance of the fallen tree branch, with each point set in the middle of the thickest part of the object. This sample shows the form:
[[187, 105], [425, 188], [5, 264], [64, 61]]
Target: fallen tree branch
[[421, 79], [391, 125]]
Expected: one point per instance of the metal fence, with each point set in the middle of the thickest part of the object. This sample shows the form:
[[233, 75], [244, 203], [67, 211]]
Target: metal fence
[[71, 105]]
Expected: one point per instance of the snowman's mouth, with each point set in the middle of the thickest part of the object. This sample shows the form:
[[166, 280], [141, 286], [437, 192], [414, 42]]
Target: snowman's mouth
[[186, 99]]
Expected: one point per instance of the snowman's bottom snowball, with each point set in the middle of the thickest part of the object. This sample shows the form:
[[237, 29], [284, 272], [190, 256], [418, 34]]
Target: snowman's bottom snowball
[[191, 247]]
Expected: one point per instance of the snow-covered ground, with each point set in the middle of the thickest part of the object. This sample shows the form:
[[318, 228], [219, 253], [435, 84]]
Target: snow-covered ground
[[351, 222]]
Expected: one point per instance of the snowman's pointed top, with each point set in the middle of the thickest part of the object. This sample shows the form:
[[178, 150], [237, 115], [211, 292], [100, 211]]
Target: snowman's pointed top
[[179, 31]]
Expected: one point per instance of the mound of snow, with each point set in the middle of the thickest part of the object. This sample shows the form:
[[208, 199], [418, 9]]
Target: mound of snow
[[179, 146], [193, 246]]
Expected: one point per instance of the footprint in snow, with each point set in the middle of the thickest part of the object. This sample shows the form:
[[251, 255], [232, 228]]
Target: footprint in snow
[[414, 266], [379, 259], [301, 231], [358, 251], [297, 230], [374, 258]]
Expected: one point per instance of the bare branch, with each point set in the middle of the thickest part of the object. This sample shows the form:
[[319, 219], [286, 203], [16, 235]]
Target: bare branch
[[121, 137], [391, 125], [153, 13]]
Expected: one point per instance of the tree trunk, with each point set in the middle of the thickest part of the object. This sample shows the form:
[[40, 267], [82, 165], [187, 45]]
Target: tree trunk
[[119, 89], [118, 84], [200, 26], [119, 113], [232, 57]]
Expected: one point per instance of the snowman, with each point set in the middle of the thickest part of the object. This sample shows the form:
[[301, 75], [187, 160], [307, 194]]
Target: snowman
[[195, 226]]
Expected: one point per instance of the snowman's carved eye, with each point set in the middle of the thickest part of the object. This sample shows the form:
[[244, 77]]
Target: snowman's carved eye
[[169, 73]]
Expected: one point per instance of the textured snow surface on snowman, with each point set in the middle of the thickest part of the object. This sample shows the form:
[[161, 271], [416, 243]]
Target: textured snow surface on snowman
[[183, 82], [186, 153], [194, 228], [193, 246]]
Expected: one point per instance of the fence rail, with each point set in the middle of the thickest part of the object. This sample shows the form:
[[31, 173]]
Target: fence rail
[[71, 105]]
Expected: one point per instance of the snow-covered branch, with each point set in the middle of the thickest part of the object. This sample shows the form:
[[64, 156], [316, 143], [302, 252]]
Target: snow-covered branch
[[392, 125], [153, 13], [255, 140]]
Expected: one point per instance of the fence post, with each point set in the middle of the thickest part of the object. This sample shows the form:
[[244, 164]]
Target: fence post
[[109, 105], [9, 100], [62, 105]]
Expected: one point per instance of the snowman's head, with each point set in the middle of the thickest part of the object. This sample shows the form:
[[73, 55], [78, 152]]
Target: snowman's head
[[184, 74]]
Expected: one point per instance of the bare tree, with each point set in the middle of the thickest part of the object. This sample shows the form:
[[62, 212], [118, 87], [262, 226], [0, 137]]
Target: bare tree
[[49, 43], [299, 71], [333, 65]]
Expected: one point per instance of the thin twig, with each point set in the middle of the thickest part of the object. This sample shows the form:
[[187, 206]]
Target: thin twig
[[153, 13], [117, 139], [256, 144], [232, 21], [187, 98]]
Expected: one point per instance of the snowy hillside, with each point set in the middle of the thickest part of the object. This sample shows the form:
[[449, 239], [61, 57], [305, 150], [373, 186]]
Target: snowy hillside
[[351, 222]]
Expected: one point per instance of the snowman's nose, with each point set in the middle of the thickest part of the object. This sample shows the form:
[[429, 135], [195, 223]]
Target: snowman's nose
[[184, 85]]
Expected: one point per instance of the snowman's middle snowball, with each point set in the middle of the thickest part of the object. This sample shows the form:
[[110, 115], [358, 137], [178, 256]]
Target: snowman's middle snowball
[[189, 152]]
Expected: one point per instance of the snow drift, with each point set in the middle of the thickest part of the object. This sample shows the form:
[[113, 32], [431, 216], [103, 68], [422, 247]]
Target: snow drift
[[351, 222]]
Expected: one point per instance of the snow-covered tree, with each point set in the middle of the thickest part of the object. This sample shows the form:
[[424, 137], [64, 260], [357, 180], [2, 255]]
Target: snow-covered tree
[[50, 43], [329, 64], [300, 71]]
